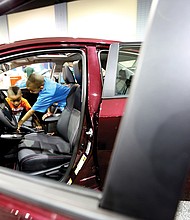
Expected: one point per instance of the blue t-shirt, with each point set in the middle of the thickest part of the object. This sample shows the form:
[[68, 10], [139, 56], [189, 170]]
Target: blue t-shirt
[[51, 93]]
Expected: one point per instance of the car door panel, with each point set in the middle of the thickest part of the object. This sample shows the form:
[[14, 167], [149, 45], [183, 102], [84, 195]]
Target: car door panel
[[111, 111]]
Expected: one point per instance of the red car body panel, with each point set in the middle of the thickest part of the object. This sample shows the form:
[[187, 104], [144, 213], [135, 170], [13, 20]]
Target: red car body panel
[[11, 208], [110, 110]]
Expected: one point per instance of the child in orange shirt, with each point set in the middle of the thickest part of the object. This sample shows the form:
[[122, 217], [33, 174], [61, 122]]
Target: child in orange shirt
[[18, 104]]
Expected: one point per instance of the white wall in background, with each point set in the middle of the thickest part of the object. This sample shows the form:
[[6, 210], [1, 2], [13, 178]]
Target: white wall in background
[[33, 23], [108, 19]]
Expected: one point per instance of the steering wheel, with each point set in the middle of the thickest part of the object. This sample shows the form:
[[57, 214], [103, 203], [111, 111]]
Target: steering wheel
[[7, 118], [9, 121]]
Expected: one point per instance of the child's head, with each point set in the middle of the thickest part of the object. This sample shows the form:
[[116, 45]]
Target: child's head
[[35, 83], [14, 94]]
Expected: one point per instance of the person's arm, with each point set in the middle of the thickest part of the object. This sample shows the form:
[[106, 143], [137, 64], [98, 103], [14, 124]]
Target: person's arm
[[25, 117], [47, 114], [36, 120], [27, 107]]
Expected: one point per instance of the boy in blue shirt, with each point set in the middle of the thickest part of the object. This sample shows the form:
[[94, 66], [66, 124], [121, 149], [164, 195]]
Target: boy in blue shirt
[[49, 93]]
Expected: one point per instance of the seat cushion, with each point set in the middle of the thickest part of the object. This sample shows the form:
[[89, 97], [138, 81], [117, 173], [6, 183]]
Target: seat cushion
[[39, 151]]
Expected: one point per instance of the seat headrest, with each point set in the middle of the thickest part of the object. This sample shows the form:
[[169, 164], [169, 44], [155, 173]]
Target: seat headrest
[[77, 66], [122, 74], [68, 75]]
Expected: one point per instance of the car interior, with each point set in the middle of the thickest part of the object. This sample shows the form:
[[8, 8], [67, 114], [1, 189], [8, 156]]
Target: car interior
[[48, 151]]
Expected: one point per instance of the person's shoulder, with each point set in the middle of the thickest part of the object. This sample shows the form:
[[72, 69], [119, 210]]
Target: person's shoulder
[[24, 100]]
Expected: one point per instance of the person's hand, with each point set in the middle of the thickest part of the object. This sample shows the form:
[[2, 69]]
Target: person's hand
[[39, 127], [19, 125], [48, 114]]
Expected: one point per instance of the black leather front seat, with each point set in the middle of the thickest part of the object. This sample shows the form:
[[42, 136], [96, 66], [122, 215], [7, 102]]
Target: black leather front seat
[[68, 75], [39, 151]]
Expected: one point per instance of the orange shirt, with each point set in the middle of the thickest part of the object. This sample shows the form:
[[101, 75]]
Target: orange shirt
[[23, 105]]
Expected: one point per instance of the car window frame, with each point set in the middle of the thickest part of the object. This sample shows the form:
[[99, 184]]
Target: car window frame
[[111, 70]]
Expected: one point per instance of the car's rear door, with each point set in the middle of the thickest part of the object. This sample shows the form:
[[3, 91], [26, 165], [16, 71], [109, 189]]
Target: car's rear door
[[120, 69]]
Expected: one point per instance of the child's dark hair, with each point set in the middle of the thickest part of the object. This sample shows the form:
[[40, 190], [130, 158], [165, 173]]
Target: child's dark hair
[[14, 90]]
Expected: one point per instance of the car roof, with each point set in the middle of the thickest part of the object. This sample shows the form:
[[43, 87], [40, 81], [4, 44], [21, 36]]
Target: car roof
[[56, 42], [49, 43], [46, 40]]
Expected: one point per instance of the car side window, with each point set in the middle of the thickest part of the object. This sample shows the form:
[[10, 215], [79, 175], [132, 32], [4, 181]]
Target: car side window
[[120, 69], [126, 67]]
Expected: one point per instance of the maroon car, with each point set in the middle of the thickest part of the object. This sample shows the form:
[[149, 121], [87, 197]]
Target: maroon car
[[150, 160], [79, 153]]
